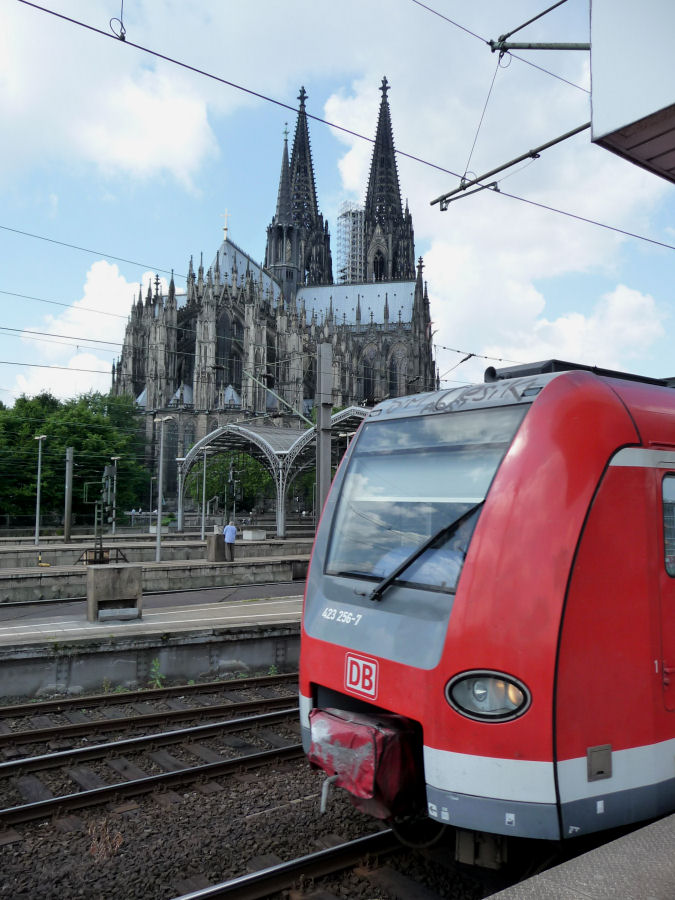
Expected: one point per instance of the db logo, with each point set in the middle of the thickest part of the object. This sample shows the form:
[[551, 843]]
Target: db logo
[[361, 675]]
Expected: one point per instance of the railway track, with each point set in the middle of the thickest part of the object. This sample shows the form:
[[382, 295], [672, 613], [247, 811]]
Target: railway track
[[30, 723], [216, 728], [364, 860], [185, 809], [131, 779], [111, 698], [282, 876]]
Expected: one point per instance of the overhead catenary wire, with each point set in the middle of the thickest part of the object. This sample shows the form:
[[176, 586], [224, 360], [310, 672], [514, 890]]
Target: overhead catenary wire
[[183, 329], [132, 262], [476, 355], [480, 122], [100, 312], [326, 122], [240, 87], [483, 40], [513, 196], [27, 331], [202, 378], [236, 86]]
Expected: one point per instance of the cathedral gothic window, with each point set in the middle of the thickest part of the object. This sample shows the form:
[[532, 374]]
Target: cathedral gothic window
[[378, 266], [397, 374], [368, 365], [224, 348]]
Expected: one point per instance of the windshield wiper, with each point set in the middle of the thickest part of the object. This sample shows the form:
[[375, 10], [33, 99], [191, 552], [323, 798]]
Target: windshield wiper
[[445, 532]]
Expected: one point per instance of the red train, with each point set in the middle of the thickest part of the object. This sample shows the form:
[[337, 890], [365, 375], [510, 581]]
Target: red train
[[489, 623]]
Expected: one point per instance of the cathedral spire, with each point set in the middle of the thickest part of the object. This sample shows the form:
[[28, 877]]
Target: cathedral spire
[[303, 189], [200, 274], [298, 241], [284, 214], [389, 244], [383, 198]]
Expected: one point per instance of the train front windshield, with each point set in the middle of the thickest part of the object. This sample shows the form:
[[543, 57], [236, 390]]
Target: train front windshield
[[409, 479]]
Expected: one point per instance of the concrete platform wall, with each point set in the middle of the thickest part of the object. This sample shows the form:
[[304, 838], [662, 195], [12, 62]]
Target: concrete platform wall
[[119, 663], [70, 582]]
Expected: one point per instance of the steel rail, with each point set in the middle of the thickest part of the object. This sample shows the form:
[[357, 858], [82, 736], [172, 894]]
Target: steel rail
[[38, 735], [40, 809], [114, 699], [312, 865], [14, 767]]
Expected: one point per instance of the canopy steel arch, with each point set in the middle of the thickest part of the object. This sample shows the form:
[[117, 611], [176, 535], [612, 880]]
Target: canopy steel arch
[[285, 453], [266, 444]]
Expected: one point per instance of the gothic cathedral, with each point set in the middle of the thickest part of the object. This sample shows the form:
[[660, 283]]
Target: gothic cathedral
[[242, 341]]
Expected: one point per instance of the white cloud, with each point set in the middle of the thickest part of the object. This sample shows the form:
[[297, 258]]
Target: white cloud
[[100, 315], [621, 327], [74, 97], [121, 134], [76, 377]]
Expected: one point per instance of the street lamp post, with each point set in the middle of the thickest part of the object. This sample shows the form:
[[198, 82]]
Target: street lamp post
[[114, 503], [39, 438], [160, 486], [180, 461], [152, 478]]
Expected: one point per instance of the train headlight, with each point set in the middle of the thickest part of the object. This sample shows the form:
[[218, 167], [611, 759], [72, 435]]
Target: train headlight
[[487, 696]]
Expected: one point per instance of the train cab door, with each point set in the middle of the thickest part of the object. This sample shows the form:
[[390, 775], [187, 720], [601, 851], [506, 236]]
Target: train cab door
[[667, 591]]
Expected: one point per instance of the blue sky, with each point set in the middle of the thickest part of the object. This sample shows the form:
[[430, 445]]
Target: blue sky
[[108, 148]]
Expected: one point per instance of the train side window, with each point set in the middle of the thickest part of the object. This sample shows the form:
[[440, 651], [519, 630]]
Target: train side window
[[669, 523]]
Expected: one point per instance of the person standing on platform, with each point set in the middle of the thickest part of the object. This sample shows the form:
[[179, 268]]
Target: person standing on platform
[[230, 535]]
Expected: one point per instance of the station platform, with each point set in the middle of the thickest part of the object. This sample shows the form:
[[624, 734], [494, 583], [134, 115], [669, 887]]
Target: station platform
[[194, 618], [251, 565], [66, 654], [637, 866]]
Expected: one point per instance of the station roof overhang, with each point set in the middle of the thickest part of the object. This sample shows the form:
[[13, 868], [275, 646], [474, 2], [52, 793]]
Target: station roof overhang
[[279, 449]]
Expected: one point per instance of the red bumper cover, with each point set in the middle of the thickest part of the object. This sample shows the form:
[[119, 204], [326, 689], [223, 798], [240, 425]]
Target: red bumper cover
[[374, 757]]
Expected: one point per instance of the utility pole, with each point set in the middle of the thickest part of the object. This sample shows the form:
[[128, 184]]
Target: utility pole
[[180, 460], [152, 478], [68, 509], [114, 496], [324, 395], [160, 487], [39, 438]]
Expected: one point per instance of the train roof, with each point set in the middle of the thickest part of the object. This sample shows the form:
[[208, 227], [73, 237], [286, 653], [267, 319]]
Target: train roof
[[559, 365], [507, 387]]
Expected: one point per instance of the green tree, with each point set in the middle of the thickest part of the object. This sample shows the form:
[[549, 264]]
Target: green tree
[[97, 426]]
